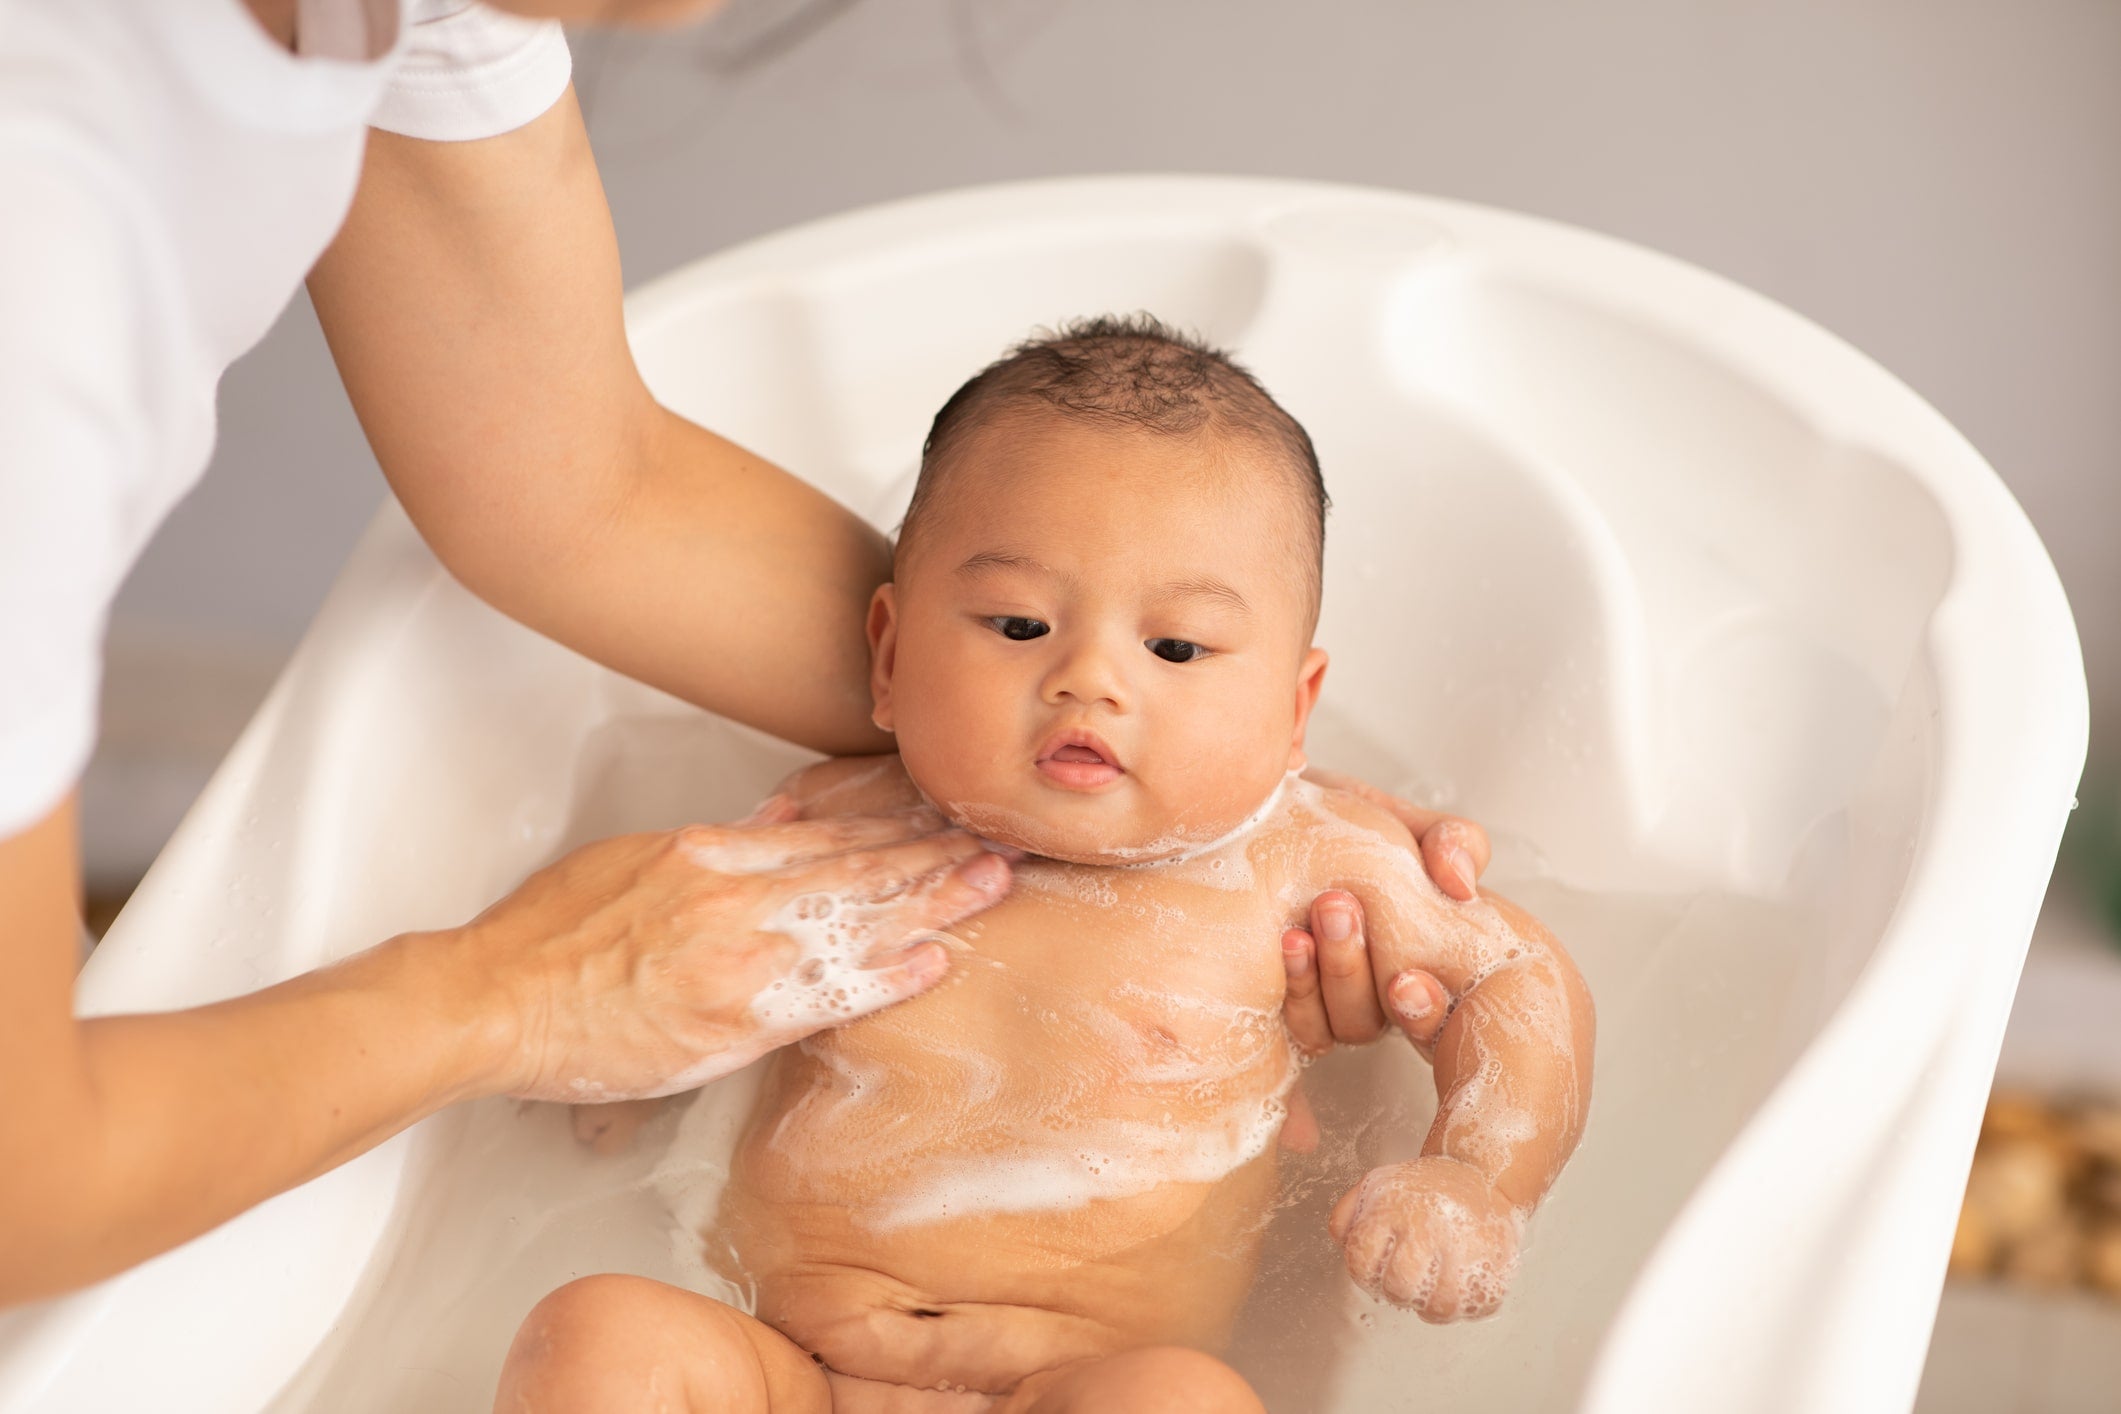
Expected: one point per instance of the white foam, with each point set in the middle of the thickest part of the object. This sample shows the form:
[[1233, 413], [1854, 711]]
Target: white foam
[[835, 936], [1112, 1159], [1127, 1106], [1178, 845], [828, 984]]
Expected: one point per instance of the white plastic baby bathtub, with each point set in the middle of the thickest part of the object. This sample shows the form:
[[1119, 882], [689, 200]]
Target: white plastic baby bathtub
[[1760, 678]]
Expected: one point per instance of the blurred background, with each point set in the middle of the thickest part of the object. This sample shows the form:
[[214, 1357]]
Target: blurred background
[[1936, 182]]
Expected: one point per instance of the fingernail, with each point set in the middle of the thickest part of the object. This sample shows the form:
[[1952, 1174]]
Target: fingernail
[[1006, 851], [1411, 999], [1337, 925], [988, 873], [930, 962], [1462, 865], [1296, 959]]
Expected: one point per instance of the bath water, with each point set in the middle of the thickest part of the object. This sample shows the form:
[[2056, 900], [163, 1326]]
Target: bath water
[[1693, 995]]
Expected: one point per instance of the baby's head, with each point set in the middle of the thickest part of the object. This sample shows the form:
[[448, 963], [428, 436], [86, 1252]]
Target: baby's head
[[1097, 643]]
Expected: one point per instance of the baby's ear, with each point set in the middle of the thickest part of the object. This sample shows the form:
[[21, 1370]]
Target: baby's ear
[[1309, 678], [883, 651]]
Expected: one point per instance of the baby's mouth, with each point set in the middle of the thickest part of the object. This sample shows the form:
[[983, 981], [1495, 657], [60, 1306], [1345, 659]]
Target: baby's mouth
[[1079, 762]]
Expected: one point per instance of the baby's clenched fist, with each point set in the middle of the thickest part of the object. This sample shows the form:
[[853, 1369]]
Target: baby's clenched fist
[[1432, 1236]]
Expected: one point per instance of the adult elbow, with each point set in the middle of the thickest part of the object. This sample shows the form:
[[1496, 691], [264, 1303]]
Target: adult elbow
[[56, 1233]]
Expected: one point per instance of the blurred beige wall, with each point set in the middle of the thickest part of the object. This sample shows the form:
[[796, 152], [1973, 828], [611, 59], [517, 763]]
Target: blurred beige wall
[[1938, 182]]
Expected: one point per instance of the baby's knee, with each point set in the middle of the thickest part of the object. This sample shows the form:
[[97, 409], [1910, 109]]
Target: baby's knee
[[605, 1342], [587, 1316], [1175, 1380], [588, 1303], [1164, 1379]]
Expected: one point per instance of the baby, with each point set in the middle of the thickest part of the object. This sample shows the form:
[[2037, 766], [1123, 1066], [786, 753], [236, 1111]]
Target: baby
[[1042, 1186]]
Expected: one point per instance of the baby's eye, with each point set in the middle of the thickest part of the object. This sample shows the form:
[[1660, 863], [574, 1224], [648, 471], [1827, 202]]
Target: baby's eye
[[1017, 629], [1176, 650]]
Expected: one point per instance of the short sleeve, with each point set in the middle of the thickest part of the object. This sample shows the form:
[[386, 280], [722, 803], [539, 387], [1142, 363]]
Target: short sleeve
[[467, 72], [71, 441]]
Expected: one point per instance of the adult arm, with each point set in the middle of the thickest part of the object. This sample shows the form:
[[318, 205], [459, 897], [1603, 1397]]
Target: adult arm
[[472, 301], [630, 967], [125, 1136]]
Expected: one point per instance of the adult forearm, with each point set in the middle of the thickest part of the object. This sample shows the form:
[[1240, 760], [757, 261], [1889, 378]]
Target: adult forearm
[[723, 580], [473, 304], [159, 1127]]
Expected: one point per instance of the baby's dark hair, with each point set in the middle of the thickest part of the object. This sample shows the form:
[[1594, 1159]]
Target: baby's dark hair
[[1132, 371]]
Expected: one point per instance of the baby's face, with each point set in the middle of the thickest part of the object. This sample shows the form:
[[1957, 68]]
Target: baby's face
[[1098, 648]]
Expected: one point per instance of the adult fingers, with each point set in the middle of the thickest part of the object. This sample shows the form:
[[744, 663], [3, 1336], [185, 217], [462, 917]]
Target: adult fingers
[[879, 874], [816, 998], [908, 972], [1418, 1005], [1303, 1008], [1415, 1001], [758, 849], [1455, 853], [1352, 1009], [943, 897]]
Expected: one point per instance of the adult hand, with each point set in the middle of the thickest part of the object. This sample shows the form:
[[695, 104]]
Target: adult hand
[[649, 964], [1333, 998]]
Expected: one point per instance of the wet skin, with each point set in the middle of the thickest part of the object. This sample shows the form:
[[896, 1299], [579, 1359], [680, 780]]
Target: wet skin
[[1047, 1045]]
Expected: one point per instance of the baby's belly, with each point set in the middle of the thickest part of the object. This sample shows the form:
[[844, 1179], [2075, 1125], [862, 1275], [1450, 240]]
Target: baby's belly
[[1052, 1166], [925, 1214], [981, 1302]]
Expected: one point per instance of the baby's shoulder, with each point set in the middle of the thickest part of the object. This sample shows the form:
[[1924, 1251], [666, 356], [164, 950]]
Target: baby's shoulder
[[1337, 833], [851, 785]]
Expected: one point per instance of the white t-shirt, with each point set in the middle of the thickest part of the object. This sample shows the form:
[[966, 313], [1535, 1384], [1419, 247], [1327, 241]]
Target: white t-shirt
[[168, 175]]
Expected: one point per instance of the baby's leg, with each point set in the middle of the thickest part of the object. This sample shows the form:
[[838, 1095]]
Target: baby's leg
[[1163, 1379], [606, 1344]]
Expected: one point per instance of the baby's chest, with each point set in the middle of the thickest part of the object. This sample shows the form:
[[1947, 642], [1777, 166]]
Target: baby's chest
[[1128, 921], [1107, 964]]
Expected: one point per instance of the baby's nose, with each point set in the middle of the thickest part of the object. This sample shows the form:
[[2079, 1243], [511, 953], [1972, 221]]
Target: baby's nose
[[1090, 673]]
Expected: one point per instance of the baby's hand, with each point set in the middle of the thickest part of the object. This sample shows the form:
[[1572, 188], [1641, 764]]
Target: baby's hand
[[1432, 1235]]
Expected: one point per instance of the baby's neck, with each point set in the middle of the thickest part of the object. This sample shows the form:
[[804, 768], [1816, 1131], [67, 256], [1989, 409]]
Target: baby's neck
[[1188, 852], [1169, 852]]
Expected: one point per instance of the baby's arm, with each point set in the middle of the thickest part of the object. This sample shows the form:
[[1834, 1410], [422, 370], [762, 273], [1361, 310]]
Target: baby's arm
[[1513, 1077]]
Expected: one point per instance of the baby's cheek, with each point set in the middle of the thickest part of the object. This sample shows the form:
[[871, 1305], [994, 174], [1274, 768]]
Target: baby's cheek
[[948, 753], [1224, 770]]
